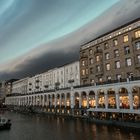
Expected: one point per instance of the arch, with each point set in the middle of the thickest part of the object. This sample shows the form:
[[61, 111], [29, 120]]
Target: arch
[[58, 99], [111, 98], [41, 100], [124, 98], [49, 98], [45, 100], [92, 101], [68, 100], [136, 97], [101, 98], [62, 99], [123, 90], [76, 99], [84, 99]]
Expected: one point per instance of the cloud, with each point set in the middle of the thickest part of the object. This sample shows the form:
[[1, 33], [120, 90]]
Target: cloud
[[66, 49]]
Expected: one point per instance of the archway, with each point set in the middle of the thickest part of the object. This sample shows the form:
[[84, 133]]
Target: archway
[[92, 101], [101, 98], [124, 98], [111, 98]]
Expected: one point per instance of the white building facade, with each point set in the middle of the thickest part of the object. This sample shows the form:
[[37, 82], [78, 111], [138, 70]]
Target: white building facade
[[20, 86]]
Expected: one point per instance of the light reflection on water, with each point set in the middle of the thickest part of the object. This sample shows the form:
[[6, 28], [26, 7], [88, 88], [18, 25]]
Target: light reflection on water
[[39, 127]]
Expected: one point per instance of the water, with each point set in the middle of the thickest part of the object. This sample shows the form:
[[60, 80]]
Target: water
[[39, 127]]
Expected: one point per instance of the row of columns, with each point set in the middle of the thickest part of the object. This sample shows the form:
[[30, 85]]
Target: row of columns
[[52, 99]]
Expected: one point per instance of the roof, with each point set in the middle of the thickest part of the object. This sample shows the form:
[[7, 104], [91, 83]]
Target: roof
[[122, 26]]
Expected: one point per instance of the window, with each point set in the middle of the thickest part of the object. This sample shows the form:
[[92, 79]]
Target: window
[[138, 58], [108, 66], [91, 60], [90, 51], [128, 61], [97, 58], [100, 79], [118, 76], [137, 45], [106, 46], [92, 81], [98, 68], [91, 70], [137, 34], [117, 64], [126, 50], [108, 78], [116, 53], [107, 56], [115, 42], [125, 38], [83, 72], [98, 48], [83, 63]]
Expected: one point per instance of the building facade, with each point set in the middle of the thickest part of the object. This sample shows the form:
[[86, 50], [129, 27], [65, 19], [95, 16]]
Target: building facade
[[108, 75], [114, 56], [20, 86]]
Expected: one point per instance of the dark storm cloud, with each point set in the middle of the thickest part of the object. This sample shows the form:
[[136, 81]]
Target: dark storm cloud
[[66, 49]]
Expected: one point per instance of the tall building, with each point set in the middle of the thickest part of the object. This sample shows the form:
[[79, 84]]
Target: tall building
[[112, 56]]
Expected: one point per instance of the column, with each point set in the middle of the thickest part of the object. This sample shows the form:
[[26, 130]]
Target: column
[[106, 100], [87, 101], [72, 100], [117, 100], [96, 100], [55, 100], [43, 102], [51, 100], [65, 102], [60, 100], [130, 100], [80, 100]]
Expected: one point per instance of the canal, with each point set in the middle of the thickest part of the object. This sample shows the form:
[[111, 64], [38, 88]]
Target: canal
[[42, 127]]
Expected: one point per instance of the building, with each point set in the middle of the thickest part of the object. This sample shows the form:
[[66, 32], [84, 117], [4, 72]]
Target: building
[[58, 78], [108, 76], [20, 86], [113, 56], [2, 92], [8, 86]]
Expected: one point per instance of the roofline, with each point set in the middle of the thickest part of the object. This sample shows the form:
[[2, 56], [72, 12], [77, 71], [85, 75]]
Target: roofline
[[126, 24]]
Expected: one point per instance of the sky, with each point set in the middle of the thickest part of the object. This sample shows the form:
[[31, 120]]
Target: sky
[[37, 35]]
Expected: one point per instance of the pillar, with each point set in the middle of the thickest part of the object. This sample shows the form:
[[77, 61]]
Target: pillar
[[130, 99], [106, 100], [117, 100], [80, 100], [96, 99], [87, 100]]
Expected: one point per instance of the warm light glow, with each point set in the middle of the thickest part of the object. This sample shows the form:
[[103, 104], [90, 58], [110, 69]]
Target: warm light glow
[[68, 103], [84, 103]]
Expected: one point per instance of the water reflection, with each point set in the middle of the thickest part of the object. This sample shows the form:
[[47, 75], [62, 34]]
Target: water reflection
[[39, 127]]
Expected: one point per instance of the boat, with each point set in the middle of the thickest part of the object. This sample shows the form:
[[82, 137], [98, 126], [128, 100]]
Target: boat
[[5, 123]]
